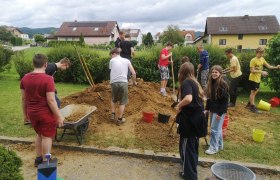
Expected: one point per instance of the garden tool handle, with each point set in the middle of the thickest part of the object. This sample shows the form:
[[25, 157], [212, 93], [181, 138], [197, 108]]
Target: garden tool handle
[[172, 69]]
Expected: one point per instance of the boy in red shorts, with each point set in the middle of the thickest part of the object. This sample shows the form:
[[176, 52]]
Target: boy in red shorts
[[40, 107]]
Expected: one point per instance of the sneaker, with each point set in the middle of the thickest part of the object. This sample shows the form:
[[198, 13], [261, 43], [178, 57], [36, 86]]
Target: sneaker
[[181, 174], [248, 105], [164, 93], [38, 160], [113, 116], [120, 121], [210, 151], [254, 109], [231, 105]]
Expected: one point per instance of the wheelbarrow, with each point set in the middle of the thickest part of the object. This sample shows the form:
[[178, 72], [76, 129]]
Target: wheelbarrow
[[78, 127]]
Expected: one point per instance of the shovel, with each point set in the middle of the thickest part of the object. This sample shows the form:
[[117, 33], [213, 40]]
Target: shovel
[[173, 96]]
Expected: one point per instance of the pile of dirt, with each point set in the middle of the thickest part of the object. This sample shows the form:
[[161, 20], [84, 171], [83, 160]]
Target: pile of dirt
[[143, 97]]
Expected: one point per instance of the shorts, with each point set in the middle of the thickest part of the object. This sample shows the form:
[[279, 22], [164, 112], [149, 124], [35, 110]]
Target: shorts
[[120, 92], [253, 85], [164, 72], [43, 124]]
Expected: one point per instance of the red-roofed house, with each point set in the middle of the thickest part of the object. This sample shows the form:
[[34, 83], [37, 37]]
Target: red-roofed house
[[94, 32], [135, 35]]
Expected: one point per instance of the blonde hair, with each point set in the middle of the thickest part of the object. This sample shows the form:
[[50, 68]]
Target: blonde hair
[[259, 49]]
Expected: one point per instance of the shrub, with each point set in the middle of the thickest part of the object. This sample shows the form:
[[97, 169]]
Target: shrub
[[273, 58], [5, 57], [23, 64], [10, 165], [64, 43]]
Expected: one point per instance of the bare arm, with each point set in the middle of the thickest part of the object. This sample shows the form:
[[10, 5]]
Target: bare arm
[[23, 105], [133, 73], [166, 57], [54, 108], [271, 67], [187, 100]]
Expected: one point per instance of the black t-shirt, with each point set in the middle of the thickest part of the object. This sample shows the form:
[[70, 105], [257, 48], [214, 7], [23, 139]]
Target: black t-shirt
[[117, 42], [190, 88], [126, 49], [51, 69]]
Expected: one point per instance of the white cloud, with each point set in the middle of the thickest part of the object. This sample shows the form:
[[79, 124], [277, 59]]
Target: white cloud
[[148, 15]]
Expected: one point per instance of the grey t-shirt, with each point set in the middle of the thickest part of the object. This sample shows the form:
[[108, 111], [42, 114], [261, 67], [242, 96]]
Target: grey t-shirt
[[119, 68]]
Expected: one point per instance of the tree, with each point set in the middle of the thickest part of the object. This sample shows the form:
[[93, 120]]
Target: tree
[[82, 39], [173, 35], [134, 42], [148, 39], [16, 41], [39, 38], [273, 58], [5, 35]]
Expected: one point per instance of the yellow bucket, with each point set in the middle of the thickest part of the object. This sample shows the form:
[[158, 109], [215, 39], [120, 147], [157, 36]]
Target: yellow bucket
[[264, 105], [258, 135]]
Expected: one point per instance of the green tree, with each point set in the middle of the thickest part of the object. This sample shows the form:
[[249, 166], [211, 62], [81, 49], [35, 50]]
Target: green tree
[[173, 35], [39, 38], [82, 39], [16, 41], [148, 39], [273, 58], [5, 35], [134, 43]]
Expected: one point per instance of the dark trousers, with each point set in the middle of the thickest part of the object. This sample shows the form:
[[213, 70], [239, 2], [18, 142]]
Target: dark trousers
[[234, 83], [57, 101], [188, 148]]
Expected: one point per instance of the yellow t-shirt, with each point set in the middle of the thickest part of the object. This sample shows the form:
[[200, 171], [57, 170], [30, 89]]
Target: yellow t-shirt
[[257, 64], [234, 62]]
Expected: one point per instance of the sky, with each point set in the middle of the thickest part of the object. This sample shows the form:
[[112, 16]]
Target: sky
[[148, 15]]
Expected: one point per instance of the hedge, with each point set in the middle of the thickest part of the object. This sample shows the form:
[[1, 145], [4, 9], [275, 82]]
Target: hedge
[[5, 57], [10, 165]]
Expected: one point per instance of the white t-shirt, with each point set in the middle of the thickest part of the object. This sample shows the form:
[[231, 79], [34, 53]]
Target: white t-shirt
[[119, 69], [234, 62]]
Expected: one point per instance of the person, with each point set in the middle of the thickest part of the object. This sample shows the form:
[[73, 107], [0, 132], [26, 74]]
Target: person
[[51, 69], [163, 66], [39, 106], [235, 76], [127, 51], [203, 66], [191, 113], [185, 59], [256, 71], [217, 93], [119, 39], [119, 84]]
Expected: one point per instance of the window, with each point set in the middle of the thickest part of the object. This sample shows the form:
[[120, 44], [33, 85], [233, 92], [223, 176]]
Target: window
[[262, 28], [222, 28], [263, 41], [239, 48], [74, 29], [204, 41], [96, 29], [188, 37], [222, 42], [240, 36]]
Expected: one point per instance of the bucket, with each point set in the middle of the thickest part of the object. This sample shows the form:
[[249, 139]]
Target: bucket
[[163, 118], [275, 101], [258, 135], [148, 116], [264, 105], [225, 124]]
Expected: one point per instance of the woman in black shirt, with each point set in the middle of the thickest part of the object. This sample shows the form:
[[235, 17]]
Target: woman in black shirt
[[191, 116]]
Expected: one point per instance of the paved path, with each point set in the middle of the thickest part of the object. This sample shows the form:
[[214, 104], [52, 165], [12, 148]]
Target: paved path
[[18, 48], [87, 166]]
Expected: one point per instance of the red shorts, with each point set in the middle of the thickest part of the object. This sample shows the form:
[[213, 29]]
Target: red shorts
[[43, 124]]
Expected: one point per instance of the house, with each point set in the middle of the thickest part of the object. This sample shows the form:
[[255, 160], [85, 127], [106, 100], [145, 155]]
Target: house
[[189, 36], [156, 37], [15, 31], [135, 35], [94, 32], [24, 36], [241, 32]]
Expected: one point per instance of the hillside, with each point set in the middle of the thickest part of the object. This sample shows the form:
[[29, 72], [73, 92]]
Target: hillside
[[33, 31]]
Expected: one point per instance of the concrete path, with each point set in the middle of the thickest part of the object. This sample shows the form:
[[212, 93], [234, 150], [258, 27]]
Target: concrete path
[[19, 48]]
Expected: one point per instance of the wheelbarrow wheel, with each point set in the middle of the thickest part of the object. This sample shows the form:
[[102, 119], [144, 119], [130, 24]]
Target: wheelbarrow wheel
[[83, 128]]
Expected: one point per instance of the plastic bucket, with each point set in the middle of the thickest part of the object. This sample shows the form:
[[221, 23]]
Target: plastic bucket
[[148, 116], [225, 124], [163, 118], [275, 101], [264, 105], [258, 135]]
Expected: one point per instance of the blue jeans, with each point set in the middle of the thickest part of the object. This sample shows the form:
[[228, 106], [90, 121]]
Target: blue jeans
[[216, 140]]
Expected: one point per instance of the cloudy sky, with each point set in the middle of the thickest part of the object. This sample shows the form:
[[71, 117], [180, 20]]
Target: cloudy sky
[[148, 15]]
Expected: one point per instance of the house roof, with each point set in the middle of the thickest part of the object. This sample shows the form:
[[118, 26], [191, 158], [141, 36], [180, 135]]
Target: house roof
[[132, 32], [87, 28], [185, 32], [242, 25], [12, 29], [51, 36]]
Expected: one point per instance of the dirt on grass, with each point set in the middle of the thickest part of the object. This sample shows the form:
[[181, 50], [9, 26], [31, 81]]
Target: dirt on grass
[[135, 133]]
